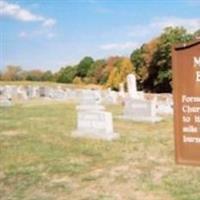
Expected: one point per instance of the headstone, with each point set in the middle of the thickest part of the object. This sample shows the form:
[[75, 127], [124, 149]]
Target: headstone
[[29, 91], [164, 108], [164, 105], [186, 91], [110, 96], [93, 121], [5, 102], [132, 86], [7, 91], [141, 110], [21, 91], [137, 108], [90, 97], [42, 91], [35, 92], [59, 94]]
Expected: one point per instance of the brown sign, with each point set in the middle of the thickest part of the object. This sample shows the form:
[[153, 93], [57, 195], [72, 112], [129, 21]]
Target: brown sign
[[186, 91]]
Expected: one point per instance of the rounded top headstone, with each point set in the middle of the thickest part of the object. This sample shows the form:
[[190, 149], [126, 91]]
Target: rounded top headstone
[[132, 86]]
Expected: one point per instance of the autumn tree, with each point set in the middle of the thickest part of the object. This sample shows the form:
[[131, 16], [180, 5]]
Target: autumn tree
[[153, 60], [12, 73], [141, 59], [121, 68], [159, 71], [34, 75]]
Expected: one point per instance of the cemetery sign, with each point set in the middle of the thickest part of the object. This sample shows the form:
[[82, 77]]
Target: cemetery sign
[[186, 91]]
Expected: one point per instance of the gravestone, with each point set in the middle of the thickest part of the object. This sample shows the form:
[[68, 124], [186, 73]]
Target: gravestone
[[92, 120], [35, 92], [29, 91], [141, 110], [186, 91], [42, 92], [5, 102], [22, 93], [164, 106], [110, 96], [132, 86], [7, 91], [137, 108], [59, 94]]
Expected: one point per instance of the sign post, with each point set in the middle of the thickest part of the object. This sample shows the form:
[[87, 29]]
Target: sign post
[[186, 92]]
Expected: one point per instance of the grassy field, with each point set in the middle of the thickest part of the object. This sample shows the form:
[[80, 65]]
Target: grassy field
[[40, 161]]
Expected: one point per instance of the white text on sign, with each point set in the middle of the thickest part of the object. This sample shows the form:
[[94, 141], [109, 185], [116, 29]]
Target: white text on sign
[[197, 65]]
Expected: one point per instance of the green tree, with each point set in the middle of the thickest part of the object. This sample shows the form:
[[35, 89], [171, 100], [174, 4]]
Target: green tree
[[84, 66], [152, 61], [67, 74], [141, 59], [159, 71], [47, 76], [95, 72], [34, 75]]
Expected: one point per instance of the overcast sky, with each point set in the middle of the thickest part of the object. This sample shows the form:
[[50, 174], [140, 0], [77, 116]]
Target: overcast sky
[[48, 34]]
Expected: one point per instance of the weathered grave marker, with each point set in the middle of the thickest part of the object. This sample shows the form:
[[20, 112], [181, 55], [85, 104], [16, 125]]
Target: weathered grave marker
[[141, 110], [92, 120], [186, 91], [132, 86], [137, 108]]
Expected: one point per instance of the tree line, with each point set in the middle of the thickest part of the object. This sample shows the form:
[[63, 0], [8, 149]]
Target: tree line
[[151, 63]]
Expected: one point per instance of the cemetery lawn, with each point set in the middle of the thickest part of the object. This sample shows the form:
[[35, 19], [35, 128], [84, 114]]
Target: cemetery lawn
[[40, 161]]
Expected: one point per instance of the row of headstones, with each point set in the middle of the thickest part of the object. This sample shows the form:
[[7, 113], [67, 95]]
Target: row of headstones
[[94, 122], [138, 106], [8, 93], [28, 92]]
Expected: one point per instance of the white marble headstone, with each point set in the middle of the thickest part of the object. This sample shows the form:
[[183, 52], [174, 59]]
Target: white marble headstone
[[92, 119], [132, 86], [141, 110]]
